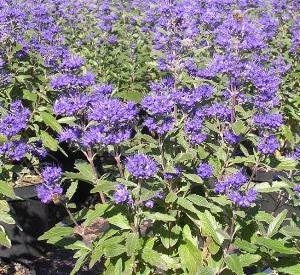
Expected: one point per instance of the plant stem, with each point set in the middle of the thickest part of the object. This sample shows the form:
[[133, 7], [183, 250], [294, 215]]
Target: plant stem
[[118, 160], [70, 215], [162, 151], [90, 158]]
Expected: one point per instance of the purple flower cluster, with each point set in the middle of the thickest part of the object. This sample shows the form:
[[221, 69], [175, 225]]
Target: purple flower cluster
[[187, 99], [231, 186], [50, 186], [173, 175], [71, 105], [159, 108], [194, 130], [268, 121], [231, 138], [297, 152], [141, 166], [71, 82], [297, 189], [122, 195], [14, 150], [268, 145], [205, 170], [15, 120]]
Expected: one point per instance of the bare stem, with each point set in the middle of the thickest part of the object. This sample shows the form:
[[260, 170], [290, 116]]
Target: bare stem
[[162, 151], [118, 160], [90, 157], [70, 215]]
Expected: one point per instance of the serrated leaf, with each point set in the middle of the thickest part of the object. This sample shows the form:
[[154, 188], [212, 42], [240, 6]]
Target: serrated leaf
[[4, 240], [79, 263], [286, 164], [249, 259], [291, 231], [276, 245], [71, 190], [291, 270], [119, 267], [132, 243], [103, 186], [246, 246], [190, 257], [186, 204], [51, 121], [7, 190], [49, 141], [267, 187], [6, 218], [119, 221], [113, 249], [209, 226], [276, 223], [159, 217], [234, 264], [193, 178], [96, 255], [155, 259], [203, 202], [57, 231], [85, 172]]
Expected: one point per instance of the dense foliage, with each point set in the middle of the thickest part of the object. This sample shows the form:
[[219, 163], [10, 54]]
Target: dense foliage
[[183, 117]]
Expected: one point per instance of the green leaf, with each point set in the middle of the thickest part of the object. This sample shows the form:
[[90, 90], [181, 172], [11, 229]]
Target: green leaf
[[292, 270], [27, 95], [133, 96], [233, 263], [206, 271], [157, 260], [132, 243], [203, 202], [119, 267], [288, 134], [79, 263], [4, 240], [51, 121], [113, 249], [248, 259], [48, 141], [92, 215], [85, 172], [190, 257], [169, 237], [96, 255], [246, 246], [57, 231], [276, 245], [209, 226], [286, 164], [276, 223], [119, 221], [187, 205], [171, 197], [159, 217], [269, 187], [290, 231], [103, 186], [6, 218], [239, 127], [193, 178], [72, 189], [7, 190]]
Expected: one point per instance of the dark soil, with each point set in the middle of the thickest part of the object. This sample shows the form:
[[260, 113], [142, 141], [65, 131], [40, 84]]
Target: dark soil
[[55, 262]]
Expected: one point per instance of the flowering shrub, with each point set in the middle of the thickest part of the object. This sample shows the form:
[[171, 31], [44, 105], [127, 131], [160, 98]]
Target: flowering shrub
[[177, 110]]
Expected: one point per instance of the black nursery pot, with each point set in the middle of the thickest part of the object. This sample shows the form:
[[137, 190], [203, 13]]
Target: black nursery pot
[[31, 217]]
